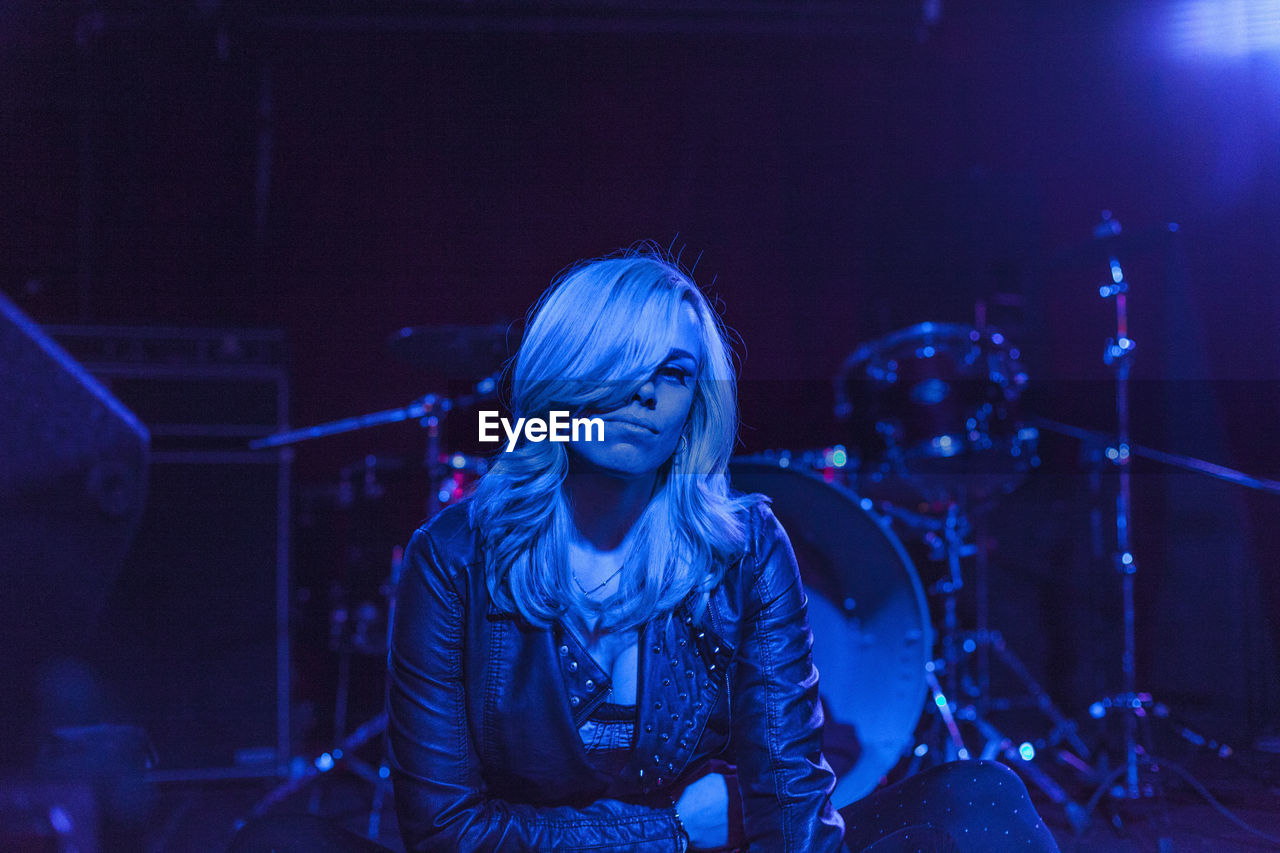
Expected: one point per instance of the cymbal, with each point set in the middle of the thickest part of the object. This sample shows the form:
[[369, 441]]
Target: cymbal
[[453, 351], [1105, 243]]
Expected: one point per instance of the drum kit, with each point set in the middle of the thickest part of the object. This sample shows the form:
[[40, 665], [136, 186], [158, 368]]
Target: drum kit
[[931, 429], [932, 438]]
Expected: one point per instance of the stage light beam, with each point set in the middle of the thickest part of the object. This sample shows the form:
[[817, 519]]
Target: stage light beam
[[1226, 28]]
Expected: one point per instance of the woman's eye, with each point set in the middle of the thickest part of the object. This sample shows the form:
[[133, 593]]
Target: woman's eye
[[672, 371]]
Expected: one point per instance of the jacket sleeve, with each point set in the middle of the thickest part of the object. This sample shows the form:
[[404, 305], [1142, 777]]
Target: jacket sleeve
[[785, 781], [441, 798]]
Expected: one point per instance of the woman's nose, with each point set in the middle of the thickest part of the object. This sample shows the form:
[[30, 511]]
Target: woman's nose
[[647, 394]]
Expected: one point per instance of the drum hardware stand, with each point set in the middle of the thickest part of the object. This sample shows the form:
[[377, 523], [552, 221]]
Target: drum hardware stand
[[1118, 355], [1135, 707], [430, 411], [346, 641], [966, 702], [996, 744], [953, 548], [1142, 704], [343, 755], [1140, 708], [340, 756]]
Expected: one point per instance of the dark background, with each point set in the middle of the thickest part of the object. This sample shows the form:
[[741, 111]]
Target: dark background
[[831, 172]]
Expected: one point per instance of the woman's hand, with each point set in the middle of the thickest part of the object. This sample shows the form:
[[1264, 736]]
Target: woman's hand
[[704, 811]]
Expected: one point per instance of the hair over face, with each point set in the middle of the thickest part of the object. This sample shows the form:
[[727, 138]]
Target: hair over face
[[596, 335]]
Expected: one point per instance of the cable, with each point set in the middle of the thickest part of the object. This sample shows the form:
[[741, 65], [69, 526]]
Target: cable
[[1219, 807], [1196, 786], [1079, 826]]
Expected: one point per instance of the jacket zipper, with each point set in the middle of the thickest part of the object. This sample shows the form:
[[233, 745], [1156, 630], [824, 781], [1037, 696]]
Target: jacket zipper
[[586, 710]]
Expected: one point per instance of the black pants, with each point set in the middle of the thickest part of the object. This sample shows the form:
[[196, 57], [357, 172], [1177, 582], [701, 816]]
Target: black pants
[[961, 807]]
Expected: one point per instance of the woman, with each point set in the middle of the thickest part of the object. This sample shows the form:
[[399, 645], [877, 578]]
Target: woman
[[606, 649], [578, 647]]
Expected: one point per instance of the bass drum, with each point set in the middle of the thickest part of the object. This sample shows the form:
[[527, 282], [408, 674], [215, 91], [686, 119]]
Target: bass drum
[[868, 614]]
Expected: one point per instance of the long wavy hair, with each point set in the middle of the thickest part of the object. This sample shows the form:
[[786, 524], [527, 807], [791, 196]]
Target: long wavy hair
[[596, 335]]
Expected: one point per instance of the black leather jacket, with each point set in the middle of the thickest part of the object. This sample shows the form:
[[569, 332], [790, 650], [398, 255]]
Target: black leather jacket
[[484, 712]]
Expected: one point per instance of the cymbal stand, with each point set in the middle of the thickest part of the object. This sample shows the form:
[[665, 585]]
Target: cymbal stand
[[1135, 708]]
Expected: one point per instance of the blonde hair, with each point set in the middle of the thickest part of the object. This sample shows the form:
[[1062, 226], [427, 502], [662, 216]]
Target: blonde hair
[[596, 335]]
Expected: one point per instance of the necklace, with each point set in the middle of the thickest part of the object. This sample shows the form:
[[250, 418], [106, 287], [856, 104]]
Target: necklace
[[599, 586]]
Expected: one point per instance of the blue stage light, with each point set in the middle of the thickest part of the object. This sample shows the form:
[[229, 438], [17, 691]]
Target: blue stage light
[[60, 821], [1229, 28]]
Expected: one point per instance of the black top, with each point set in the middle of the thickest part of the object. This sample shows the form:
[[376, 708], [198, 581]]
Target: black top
[[608, 735]]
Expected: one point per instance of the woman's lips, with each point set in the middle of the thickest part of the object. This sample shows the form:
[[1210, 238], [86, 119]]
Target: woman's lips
[[631, 424]]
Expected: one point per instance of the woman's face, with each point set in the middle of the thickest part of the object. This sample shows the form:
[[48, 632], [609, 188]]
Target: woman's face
[[641, 435]]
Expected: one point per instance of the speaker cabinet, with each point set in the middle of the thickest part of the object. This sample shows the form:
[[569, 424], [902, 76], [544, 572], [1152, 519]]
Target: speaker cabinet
[[73, 464], [193, 643]]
